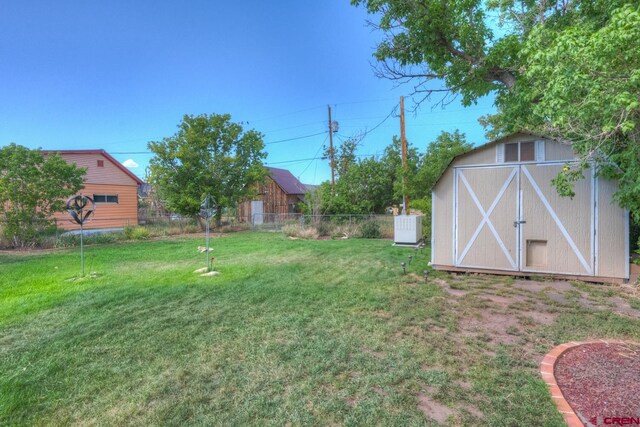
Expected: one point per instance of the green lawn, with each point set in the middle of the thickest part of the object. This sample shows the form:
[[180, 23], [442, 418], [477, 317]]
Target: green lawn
[[297, 332]]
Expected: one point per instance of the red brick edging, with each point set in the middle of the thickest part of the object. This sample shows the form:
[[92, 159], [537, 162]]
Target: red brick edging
[[547, 368]]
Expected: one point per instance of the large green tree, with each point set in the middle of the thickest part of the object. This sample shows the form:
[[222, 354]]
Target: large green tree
[[437, 157], [370, 185], [366, 187], [564, 67], [32, 188], [209, 154], [432, 164]]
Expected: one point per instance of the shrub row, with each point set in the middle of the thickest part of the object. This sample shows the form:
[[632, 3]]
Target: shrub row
[[369, 229]]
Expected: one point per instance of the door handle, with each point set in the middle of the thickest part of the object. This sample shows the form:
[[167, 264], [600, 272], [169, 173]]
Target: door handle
[[516, 223]]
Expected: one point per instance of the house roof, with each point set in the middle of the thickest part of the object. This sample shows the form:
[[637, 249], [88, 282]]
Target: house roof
[[286, 181], [103, 153]]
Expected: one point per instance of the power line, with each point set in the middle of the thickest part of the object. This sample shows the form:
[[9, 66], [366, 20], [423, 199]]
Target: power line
[[317, 158], [293, 127], [296, 138], [266, 143], [315, 155]]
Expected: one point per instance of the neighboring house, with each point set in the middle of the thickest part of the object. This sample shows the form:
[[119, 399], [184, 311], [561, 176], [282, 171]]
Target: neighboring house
[[113, 188], [280, 194], [495, 210]]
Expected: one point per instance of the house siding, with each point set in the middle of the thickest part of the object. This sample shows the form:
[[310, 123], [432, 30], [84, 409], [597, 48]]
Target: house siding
[[110, 179], [107, 215]]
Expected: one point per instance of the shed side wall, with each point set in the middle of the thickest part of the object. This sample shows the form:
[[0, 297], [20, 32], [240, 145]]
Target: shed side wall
[[612, 258], [443, 219]]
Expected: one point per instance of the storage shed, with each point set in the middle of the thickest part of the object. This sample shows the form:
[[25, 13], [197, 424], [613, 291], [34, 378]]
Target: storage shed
[[496, 211]]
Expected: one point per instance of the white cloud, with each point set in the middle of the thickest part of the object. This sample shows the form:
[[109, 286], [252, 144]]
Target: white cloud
[[129, 163]]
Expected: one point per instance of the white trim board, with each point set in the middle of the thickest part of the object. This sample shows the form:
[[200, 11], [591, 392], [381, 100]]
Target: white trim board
[[514, 164], [433, 227]]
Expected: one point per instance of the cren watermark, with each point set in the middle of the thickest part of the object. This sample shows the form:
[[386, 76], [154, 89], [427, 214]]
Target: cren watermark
[[615, 421]]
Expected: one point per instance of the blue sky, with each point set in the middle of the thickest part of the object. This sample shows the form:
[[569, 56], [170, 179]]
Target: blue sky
[[115, 75]]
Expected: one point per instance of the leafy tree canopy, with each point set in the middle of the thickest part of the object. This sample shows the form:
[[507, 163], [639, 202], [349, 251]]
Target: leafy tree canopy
[[208, 155], [436, 159], [568, 68], [367, 187], [32, 188]]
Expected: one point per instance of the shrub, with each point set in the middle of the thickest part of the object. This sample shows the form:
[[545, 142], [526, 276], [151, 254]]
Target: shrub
[[232, 228], [345, 231], [73, 240], [136, 233], [300, 232], [324, 228], [370, 230]]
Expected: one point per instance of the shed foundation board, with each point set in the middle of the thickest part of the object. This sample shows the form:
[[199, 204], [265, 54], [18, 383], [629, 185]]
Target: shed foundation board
[[593, 279]]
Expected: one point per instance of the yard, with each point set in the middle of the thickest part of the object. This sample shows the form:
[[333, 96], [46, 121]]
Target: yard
[[292, 332]]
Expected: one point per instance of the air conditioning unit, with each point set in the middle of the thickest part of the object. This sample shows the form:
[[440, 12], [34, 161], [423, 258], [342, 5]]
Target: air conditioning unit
[[407, 229]]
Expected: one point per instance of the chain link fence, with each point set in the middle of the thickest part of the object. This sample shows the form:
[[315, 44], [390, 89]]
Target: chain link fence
[[62, 233], [346, 225]]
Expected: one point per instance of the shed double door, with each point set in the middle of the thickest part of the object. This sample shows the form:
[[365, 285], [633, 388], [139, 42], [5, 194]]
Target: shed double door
[[511, 218]]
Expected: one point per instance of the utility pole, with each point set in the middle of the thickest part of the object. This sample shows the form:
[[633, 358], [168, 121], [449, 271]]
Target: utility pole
[[331, 157], [403, 140]]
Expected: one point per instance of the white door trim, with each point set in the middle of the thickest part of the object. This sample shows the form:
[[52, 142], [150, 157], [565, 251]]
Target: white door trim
[[433, 227], [486, 219], [561, 227]]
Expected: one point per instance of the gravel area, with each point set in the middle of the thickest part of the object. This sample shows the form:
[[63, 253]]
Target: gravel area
[[601, 381]]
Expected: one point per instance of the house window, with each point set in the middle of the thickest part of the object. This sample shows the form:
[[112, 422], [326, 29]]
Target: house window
[[100, 163], [520, 152], [105, 198]]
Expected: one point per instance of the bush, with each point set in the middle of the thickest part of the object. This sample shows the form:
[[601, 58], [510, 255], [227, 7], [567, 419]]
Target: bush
[[300, 232], [345, 231], [136, 233], [233, 228], [73, 240], [324, 228], [370, 230]]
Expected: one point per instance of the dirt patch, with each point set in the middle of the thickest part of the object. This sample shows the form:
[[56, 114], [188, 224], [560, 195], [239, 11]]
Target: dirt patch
[[351, 402], [383, 314], [534, 286], [455, 292], [503, 301], [622, 306], [557, 298], [529, 285], [465, 385], [434, 410], [542, 317], [380, 391], [601, 380], [499, 327]]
